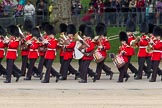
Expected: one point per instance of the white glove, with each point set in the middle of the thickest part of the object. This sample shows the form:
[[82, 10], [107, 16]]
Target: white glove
[[29, 42], [83, 50], [100, 47], [45, 41]]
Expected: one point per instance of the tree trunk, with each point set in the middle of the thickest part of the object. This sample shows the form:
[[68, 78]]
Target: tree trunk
[[61, 13]]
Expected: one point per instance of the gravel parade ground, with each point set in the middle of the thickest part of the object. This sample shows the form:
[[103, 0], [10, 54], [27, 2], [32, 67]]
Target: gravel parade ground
[[71, 94]]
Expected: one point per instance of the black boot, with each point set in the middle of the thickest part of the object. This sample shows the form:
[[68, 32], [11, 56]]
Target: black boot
[[77, 75], [44, 81], [82, 81], [7, 81], [95, 77]]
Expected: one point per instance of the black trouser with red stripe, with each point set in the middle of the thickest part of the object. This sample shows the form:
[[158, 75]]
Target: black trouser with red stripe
[[141, 61], [41, 63], [131, 67], [101, 66], [70, 68], [84, 69], [11, 69], [64, 68], [155, 65], [2, 69], [25, 65], [31, 68], [123, 72]]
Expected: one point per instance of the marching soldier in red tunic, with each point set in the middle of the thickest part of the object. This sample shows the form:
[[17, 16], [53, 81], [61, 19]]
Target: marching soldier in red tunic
[[130, 28], [91, 73], [88, 53], [157, 52], [153, 38], [63, 29], [2, 51], [24, 48], [42, 48], [69, 45], [102, 46], [33, 44], [142, 54], [125, 51], [51, 43], [11, 55]]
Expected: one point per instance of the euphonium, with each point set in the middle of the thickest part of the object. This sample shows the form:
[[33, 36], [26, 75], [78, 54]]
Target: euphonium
[[149, 48], [63, 40], [78, 38], [133, 43]]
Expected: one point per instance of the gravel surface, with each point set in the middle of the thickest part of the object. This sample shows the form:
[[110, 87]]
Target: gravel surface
[[71, 94]]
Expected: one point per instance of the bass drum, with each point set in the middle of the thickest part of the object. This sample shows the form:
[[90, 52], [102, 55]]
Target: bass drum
[[77, 54]]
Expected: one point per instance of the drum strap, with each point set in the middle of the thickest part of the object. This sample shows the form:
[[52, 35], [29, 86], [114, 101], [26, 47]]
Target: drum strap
[[89, 53], [69, 49]]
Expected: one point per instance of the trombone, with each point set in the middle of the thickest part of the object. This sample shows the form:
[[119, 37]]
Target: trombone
[[114, 37]]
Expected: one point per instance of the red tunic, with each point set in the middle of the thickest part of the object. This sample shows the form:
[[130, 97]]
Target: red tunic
[[33, 50], [2, 46], [41, 45], [157, 52], [69, 54], [130, 38], [89, 49], [12, 48], [106, 46], [51, 49], [127, 49], [142, 47], [26, 52]]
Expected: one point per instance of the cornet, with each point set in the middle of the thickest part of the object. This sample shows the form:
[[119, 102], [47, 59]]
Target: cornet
[[63, 40], [133, 43], [6, 39]]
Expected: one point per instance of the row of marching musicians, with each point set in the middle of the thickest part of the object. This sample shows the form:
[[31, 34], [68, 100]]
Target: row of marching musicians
[[149, 51], [44, 45], [40, 42]]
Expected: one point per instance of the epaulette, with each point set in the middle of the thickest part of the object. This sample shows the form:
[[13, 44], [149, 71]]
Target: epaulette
[[106, 39], [127, 46]]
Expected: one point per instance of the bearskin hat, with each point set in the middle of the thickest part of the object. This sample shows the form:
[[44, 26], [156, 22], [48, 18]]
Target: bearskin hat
[[157, 31], [35, 32], [81, 28], [151, 27], [28, 25], [71, 29], [43, 25], [123, 36], [63, 27], [88, 31], [101, 29], [144, 27], [50, 30], [130, 26], [13, 30], [2, 31]]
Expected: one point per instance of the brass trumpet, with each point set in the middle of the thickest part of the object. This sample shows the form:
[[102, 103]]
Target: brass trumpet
[[149, 47], [133, 43], [63, 40]]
